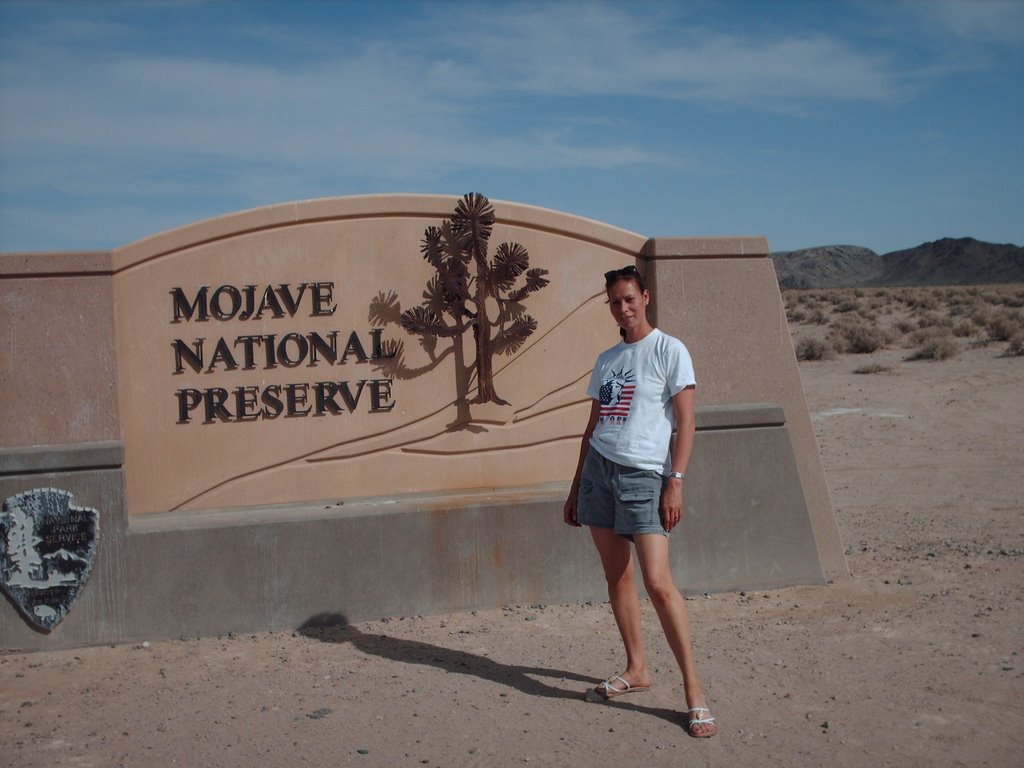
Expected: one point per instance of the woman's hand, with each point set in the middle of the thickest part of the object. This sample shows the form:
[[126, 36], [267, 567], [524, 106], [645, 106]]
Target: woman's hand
[[684, 411], [570, 512], [672, 503]]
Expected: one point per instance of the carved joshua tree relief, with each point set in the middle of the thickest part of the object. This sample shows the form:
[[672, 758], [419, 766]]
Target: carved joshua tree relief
[[470, 291]]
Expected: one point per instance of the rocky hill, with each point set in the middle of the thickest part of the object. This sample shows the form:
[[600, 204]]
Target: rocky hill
[[961, 261], [830, 266]]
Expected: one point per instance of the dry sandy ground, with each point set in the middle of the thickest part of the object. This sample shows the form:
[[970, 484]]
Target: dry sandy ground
[[913, 661]]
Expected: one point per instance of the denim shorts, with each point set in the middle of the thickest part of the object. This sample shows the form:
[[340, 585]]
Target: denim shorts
[[625, 499]]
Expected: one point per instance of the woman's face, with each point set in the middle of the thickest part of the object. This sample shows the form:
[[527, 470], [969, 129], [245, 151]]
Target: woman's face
[[628, 305]]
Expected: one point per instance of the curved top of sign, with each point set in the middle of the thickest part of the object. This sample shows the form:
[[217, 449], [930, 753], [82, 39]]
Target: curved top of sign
[[427, 207]]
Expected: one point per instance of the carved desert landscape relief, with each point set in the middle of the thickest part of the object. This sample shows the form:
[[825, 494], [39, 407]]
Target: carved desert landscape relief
[[917, 397]]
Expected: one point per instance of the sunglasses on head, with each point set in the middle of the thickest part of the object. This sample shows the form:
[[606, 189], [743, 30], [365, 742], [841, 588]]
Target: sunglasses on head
[[615, 274]]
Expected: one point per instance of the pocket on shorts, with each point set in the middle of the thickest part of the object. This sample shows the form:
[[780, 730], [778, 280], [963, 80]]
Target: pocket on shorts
[[639, 508], [636, 495], [639, 485], [639, 497]]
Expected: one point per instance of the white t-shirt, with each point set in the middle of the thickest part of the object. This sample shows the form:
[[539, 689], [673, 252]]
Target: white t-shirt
[[635, 383]]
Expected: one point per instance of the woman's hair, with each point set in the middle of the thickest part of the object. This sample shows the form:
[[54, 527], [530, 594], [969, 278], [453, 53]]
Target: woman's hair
[[626, 273]]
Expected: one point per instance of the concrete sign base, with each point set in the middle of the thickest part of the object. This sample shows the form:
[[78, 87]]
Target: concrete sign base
[[208, 572]]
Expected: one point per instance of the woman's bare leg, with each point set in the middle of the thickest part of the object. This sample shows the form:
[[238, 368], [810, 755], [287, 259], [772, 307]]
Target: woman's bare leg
[[652, 551], [617, 560]]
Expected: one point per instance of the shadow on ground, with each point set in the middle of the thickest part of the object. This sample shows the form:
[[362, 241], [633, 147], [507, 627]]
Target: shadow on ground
[[334, 628]]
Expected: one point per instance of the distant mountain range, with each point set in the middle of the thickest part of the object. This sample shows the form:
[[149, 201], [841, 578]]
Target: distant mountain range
[[961, 261]]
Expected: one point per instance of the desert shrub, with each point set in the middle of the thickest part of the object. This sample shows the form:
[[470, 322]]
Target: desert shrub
[[1016, 345], [873, 368], [810, 348], [920, 335], [964, 329], [962, 295], [922, 299], [817, 316], [980, 314], [810, 303], [964, 304], [796, 314], [902, 295], [957, 295], [1004, 325], [904, 326], [844, 296], [935, 346], [931, 320], [927, 338], [857, 338], [848, 305]]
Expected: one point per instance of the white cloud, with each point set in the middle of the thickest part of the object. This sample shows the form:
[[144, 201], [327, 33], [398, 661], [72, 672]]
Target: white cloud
[[561, 49], [985, 21], [414, 107], [100, 115], [374, 113]]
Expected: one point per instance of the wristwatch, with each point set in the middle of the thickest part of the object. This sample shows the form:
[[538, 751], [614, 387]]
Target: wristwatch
[[680, 475]]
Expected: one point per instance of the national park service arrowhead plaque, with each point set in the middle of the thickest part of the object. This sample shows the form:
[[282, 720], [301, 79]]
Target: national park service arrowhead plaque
[[47, 546]]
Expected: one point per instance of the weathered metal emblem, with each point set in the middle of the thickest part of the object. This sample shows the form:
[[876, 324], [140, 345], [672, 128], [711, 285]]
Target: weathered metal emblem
[[47, 546]]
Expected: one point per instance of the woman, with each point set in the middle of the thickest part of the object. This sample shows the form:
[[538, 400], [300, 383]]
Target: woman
[[629, 486]]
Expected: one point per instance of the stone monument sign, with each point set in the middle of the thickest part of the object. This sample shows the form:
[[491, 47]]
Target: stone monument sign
[[341, 358], [370, 406]]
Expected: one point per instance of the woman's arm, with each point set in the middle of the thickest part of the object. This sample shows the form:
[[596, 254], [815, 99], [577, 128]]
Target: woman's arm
[[684, 407], [569, 512]]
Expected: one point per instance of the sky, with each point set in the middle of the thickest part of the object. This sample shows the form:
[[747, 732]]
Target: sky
[[879, 124]]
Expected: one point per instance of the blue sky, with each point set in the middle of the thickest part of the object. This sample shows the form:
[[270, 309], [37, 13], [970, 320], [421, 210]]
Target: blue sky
[[882, 124]]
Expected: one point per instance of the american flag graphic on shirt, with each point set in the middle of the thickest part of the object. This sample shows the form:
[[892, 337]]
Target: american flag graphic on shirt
[[616, 396]]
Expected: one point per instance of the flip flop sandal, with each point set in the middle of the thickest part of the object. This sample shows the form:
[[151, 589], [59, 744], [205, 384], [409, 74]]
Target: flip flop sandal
[[609, 691], [700, 720]]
